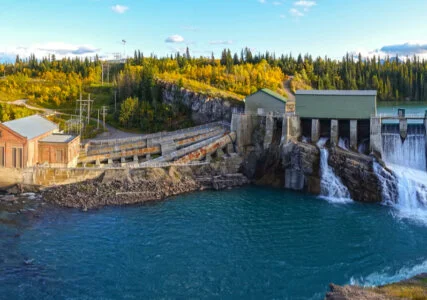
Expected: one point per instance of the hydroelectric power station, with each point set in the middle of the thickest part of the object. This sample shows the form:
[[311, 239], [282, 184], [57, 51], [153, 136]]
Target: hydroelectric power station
[[337, 145]]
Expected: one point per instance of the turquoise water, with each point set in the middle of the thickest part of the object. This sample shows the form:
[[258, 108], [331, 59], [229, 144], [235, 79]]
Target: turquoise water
[[250, 243], [411, 108]]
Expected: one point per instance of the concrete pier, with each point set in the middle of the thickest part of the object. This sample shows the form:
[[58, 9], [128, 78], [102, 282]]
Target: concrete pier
[[403, 128], [353, 135], [269, 128], [375, 136], [291, 128], [334, 132], [315, 130]]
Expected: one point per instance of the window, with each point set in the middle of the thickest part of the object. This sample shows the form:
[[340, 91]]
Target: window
[[59, 157], [17, 157]]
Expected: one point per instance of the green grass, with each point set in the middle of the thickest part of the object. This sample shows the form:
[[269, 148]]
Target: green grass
[[200, 87]]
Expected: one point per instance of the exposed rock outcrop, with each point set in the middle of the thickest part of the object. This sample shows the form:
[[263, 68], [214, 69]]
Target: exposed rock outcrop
[[301, 162], [357, 174], [204, 109]]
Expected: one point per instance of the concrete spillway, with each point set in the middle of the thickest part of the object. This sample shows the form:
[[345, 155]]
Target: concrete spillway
[[406, 159], [409, 151]]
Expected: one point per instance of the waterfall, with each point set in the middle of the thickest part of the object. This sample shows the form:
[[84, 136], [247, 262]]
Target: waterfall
[[407, 162], [344, 143], [409, 153], [331, 186]]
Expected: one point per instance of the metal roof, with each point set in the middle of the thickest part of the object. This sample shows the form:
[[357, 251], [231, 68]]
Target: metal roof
[[31, 127], [337, 93], [274, 94], [58, 138]]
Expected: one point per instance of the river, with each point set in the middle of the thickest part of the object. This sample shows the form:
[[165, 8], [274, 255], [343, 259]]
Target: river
[[244, 243]]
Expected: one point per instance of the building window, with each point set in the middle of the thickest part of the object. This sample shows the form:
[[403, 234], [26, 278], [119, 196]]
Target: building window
[[59, 156], [2, 162], [17, 157]]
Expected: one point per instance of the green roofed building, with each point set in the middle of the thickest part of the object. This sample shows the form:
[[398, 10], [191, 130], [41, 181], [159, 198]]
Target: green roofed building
[[265, 101], [331, 104]]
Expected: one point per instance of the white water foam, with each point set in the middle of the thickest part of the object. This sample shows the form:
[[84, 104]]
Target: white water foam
[[412, 194], [407, 160], [344, 143], [376, 278], [331, 187]]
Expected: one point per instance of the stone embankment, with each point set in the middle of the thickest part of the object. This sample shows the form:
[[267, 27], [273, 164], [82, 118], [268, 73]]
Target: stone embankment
[[130, 186]]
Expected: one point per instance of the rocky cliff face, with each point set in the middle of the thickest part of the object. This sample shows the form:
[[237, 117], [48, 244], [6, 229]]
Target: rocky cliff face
[[204, 109], [296, 166], [302, 162], [357, 174]]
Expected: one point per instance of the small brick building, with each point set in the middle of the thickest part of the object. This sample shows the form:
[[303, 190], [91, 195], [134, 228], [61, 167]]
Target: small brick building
[[59, 150], [22, 140]]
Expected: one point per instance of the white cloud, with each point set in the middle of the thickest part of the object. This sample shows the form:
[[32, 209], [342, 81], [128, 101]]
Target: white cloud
[[407, 49], [174, 39], [120, 9], [224, 42], [60, 50], [282, 16], [295, 12], [262, 1]]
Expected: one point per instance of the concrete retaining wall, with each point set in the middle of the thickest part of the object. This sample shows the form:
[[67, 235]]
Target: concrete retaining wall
[[45, 176]]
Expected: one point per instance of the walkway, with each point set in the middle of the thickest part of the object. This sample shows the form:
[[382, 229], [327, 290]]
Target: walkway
[[287, 87]]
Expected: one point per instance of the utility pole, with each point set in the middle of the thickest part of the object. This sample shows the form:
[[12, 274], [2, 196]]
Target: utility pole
[[80, 114], [88, 109], [104, 113], [84, 105], [102, 73], [108, 72], [97, 126]]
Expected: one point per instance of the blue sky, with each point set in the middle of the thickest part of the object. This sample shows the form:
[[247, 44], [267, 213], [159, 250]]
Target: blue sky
[[318, 27]]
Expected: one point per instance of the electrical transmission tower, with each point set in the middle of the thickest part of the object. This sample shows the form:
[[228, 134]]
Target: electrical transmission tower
[[107, 65]]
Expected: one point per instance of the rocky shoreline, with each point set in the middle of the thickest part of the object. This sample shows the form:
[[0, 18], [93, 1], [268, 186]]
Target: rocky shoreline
[[131, 186], [413, 288]]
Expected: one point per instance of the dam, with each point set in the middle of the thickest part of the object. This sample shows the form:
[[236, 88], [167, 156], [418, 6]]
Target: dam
[[336, 144]]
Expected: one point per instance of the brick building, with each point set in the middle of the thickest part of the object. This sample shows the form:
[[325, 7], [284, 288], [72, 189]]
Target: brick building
[[59, 150], [22, 140]]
